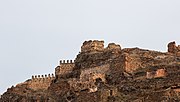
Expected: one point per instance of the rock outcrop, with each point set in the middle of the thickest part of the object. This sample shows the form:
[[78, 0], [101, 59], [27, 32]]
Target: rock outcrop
[[172, 48], [106, 74]]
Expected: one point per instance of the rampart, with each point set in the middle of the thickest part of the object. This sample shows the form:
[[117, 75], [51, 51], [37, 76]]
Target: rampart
[[65, 67], [92, 46], [40, 81]]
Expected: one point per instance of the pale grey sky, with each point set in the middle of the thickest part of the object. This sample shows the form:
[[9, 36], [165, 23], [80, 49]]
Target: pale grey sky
[[36, 34]]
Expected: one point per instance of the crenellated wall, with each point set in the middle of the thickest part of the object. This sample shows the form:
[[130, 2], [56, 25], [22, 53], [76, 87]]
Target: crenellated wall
[[65, 67], [40, 81]]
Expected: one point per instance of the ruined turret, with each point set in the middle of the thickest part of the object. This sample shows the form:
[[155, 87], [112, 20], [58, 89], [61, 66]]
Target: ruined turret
[[92, 46]]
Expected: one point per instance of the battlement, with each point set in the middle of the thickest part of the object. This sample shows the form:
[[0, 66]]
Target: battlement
[[92, 46], [42, 77], [40, 81], [66, 61], [65, 67]]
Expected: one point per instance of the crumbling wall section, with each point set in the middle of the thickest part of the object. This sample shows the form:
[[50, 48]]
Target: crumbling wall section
[[112, 46], [90, 73], [92, 46], [78, 85], [130, 63]]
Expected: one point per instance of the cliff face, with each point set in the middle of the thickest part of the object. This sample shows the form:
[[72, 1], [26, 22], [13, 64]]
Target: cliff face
[[109, 74]]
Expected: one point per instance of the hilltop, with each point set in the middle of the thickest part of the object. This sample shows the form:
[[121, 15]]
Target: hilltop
[[106, 74]]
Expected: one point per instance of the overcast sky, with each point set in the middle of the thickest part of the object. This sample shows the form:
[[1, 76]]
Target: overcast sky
[[36, 34]]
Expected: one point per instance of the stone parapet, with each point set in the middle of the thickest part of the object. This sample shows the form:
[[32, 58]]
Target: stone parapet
[[66, 61], [65, 67], [40, 82]]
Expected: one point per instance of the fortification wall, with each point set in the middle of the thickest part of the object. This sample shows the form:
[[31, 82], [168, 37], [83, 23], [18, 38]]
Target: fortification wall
[[65, 67], [40, 82], [91, 46]]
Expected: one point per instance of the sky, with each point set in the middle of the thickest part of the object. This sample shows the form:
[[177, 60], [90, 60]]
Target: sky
[[36, 34]]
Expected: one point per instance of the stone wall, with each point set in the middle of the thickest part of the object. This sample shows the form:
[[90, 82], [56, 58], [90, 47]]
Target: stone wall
[[92, 46], [39, 82], [65, 67]]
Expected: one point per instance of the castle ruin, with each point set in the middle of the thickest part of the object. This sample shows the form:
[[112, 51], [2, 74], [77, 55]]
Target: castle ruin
[[89, 76], [105, 71], [39, 82]]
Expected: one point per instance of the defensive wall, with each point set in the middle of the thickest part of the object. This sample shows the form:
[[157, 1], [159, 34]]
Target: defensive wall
[[65, 67], [40, 81]]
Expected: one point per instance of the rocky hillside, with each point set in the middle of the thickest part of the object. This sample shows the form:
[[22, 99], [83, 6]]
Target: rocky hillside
[[106, 74]]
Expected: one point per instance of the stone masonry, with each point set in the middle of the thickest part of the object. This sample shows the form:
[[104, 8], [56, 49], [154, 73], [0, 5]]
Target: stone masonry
[[64, 68]]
